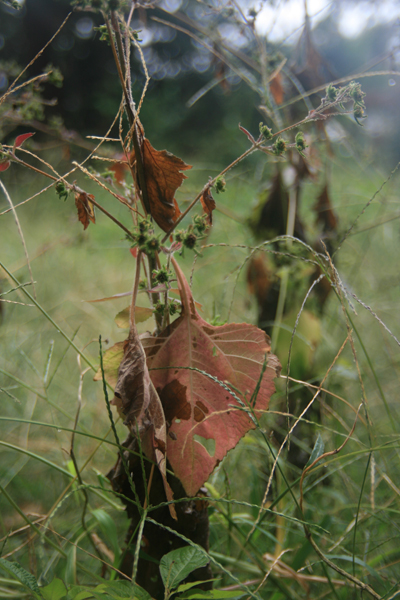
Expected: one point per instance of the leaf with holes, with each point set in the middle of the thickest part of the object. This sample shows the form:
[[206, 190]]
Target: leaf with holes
[[205, 420]]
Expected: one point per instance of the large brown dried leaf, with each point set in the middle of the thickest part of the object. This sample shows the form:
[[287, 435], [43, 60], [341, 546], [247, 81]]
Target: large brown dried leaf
[[205, 421], [137, 399], [163, 176], [85, 208]]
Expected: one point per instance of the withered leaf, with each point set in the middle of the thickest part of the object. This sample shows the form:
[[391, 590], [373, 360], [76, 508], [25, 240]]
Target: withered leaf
[[163, 176], [276, 89], [138, 401], [197, 407], [323, 209], [85, 208], [208, 204], [259, 277]]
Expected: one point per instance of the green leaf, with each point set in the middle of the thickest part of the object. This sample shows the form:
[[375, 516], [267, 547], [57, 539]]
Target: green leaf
[[79, 592], [187, 586], [54, 591], [26, 578], [111, 360], [109, 531], [317, 451], [211, 594], [120, 590], [178, 564], [141, 315]]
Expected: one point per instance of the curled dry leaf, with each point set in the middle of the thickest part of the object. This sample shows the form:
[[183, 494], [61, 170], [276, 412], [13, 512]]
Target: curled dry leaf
[[205, 420], [138, 401], [85, 208], [162, 171], [208, 204], [19, 140]]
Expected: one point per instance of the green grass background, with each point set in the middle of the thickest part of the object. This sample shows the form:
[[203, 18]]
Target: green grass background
[[354, 497]]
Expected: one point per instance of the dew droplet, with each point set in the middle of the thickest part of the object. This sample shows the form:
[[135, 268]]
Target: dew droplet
[[59, 430], [391, 82]]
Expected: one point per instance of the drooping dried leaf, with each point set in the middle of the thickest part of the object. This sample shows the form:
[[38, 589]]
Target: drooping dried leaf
[[324, 211], [259, 277], [271, 217], [19, 140], [141, 315], [208, 204], [85, 208], [163, 176], [136, 398], [196, 407], [276, 88]]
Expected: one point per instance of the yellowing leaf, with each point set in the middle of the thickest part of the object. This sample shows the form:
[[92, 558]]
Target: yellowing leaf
[[111, 360], [141, 314]]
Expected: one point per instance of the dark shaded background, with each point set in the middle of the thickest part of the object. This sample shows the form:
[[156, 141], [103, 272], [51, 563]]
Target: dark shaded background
[[179, 68]]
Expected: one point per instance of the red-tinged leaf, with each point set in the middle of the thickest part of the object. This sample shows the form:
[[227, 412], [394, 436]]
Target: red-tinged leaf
[[120, 168], [19, 140], [163, 176], [175, 246], [247, 133], [133, 251], [4, 165], [276, 89], [197, 408], [138, 401], [208, 204], [85, 208]]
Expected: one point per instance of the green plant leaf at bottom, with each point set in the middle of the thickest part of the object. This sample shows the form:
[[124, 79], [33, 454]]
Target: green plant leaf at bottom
[[178, 564]]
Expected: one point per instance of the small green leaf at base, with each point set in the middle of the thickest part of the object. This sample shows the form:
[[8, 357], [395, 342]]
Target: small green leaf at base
[[178, 564], [317, 451], [26, 578], [54, 591], [212, 594]]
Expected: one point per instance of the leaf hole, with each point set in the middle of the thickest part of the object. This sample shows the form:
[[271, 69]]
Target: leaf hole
[[208, 444]]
